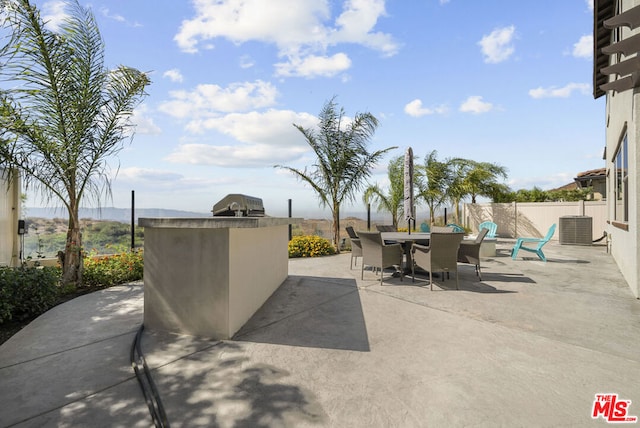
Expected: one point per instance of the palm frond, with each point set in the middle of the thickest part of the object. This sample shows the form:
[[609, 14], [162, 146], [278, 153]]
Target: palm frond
[[343, 162]]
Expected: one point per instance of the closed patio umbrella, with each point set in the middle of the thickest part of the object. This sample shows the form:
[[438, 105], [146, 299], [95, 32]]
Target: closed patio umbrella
[[408, 187]]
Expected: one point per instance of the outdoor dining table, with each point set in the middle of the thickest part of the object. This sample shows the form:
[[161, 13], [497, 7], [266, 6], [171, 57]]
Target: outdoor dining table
[[402, 237], [406, 239]]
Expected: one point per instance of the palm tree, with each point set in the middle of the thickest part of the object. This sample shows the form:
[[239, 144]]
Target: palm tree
[[432, 182], [66, 113], [481, 179], [392, 201], [457, 189], [343, 161], [472, 178]]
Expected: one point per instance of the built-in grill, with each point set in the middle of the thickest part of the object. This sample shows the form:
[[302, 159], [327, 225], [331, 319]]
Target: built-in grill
[[237, 205]]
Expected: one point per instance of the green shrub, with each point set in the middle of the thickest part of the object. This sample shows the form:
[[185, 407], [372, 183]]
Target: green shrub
[[310, 246], [27, 291], [120, 268]]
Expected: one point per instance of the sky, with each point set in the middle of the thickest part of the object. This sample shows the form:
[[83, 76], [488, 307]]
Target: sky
[[492, 80]]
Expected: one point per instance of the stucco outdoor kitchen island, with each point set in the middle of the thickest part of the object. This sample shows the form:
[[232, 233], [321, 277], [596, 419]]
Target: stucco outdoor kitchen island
[[208, 276]]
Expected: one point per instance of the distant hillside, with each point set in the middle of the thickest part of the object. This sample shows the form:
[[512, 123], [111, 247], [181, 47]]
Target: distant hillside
[[123, 215], [46, 235], [114, 214]]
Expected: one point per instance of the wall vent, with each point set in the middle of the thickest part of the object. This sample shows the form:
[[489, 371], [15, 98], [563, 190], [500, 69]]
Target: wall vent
[[576, 230]]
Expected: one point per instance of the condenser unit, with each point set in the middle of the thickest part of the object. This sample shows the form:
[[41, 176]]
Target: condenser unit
[[576, 230]]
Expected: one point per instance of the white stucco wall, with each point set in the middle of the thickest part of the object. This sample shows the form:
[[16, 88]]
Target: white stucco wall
[[534, 218], [9, 215], [622, 113]]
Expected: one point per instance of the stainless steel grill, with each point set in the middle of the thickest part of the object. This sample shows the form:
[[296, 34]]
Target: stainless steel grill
[[237, 205]]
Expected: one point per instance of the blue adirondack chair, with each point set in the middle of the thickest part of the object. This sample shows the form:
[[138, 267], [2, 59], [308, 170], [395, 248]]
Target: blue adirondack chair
[[489, 225], [456, 228], [424, 227], [538, 248]]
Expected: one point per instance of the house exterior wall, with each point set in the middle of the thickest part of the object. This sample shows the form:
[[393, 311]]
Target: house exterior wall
[[621, 112], [9, 215], [622, 116]]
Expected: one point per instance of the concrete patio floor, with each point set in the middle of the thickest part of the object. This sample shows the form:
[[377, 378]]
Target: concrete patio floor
[[530, 345]]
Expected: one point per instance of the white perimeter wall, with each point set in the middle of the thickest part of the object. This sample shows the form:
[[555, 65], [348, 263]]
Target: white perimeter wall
[[9, 215], [533, 219]]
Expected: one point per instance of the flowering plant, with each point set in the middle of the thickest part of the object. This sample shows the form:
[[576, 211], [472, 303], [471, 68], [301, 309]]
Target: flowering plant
[[122, 267], [310, 246]]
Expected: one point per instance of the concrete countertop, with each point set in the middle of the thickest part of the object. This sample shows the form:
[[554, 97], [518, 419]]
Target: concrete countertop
[[216, 222]]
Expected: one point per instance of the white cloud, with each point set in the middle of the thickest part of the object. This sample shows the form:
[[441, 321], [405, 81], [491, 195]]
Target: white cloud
[[314, 65], [246, 61], [209, 100], [118, 18], [563, 92], [356, 24], [265, 139], [174, 75], [54, 14], [107, 14], [498, 46], [144, 123], [589, 4], [281, 22], [238, 156], [150, 181], [274, 127], [299, 29], [146, 174], [415, 109], [584, 47], [475, 105]]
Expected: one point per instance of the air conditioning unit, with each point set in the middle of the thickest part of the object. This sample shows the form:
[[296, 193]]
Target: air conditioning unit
[[576, 230]]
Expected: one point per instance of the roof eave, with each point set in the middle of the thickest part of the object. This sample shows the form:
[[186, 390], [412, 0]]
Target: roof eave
[[602, 10]]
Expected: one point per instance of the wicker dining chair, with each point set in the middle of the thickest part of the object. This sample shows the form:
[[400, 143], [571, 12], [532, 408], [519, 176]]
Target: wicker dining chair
[[377, 254], [440, 256]]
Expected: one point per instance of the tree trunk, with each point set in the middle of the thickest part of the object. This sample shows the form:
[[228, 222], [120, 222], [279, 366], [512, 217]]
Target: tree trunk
[[336, 228], [457, 211], [72, 258]]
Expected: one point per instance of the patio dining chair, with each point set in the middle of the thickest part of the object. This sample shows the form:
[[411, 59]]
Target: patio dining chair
[[440, 256], [356, 246], [378, 255], [539, 243], [490, 226], [442, 229], [469, 251]]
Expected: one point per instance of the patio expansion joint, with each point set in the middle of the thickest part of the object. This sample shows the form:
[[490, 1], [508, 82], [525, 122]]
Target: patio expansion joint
[[185, 356], [74, 348], [76, 400]]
